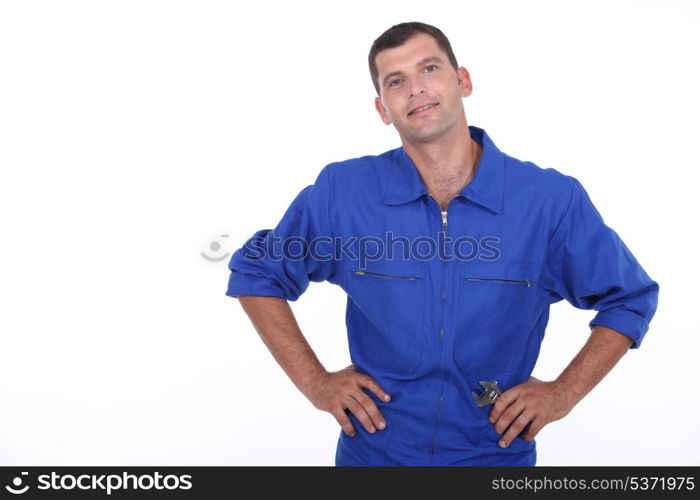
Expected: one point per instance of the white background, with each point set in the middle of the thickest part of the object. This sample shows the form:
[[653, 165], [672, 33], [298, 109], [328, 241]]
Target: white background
[[135, 133]]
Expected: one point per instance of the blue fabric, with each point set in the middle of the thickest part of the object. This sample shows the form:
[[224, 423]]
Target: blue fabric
[[429, 327]]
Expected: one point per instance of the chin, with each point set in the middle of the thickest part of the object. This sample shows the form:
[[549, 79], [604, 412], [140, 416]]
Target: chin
[[427, 134]]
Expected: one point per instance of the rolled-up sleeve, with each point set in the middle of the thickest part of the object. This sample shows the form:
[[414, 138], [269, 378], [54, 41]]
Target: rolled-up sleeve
[[590, 266], [281, 262]]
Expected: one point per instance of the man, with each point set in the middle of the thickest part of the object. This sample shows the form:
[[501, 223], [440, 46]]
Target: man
[[436, 332]]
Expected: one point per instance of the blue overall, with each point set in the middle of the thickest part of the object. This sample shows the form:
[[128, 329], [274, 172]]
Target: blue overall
[[439, 300]]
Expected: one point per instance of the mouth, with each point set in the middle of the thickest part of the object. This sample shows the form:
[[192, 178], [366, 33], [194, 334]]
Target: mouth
[[423, 109]]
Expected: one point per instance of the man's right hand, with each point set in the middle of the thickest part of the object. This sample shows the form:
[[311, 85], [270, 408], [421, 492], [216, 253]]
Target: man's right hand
[[335, 391]]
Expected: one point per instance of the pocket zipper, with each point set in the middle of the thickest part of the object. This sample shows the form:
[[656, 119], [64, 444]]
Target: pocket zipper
[[514, 282], [381, 275]]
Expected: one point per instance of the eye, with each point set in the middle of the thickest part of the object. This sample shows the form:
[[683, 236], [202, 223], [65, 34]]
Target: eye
[[391, 83], [431, 66]]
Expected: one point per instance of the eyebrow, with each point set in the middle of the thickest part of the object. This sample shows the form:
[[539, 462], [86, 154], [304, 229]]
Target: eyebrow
[[419, 63]]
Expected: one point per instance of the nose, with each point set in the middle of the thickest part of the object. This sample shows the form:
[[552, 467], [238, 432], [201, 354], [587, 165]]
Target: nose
[[416, 86]]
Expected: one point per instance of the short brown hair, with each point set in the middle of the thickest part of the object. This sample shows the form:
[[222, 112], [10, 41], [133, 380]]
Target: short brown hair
[[397, 35]]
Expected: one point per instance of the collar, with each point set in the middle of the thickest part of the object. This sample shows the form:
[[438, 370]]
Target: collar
[[404, 184]]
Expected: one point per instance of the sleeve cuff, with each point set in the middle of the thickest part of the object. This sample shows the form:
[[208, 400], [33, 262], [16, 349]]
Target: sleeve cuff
[[626, 322], [246, 284]]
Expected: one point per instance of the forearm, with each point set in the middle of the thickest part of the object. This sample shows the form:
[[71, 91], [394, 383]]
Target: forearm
[[274, 321], [601, 352]]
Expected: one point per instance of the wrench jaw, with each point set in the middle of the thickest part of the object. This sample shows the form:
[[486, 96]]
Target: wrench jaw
[[489, 395]]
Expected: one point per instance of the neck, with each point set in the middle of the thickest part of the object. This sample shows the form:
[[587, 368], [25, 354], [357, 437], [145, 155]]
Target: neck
[[447, 164]]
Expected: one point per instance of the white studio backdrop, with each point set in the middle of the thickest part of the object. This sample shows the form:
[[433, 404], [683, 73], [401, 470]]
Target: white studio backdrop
[[134, 134]]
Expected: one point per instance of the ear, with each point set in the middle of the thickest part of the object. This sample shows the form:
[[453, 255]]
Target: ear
[[465, 81], [382, 112]]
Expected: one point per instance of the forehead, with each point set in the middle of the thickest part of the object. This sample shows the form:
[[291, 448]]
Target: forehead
[[405, 57]]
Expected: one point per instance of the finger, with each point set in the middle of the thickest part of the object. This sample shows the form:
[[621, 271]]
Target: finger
[[515, 428], [372, 385], [508, 416], [533, 428], [344, 421], [358, 410], [371, 409], [502, 403]]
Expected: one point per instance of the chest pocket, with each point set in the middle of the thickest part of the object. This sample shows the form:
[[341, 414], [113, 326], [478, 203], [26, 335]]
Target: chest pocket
[[494, 319], [385, 317]]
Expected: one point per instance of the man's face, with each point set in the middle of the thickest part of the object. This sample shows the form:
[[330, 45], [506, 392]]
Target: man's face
[[415, 74]]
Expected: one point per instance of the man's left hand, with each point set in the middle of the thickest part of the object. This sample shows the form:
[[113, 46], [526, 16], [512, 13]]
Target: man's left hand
[[528, 407]]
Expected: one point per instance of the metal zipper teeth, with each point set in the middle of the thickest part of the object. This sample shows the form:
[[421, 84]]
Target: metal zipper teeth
[[443, 213], [434, 449], [514, 282], [382, 275]]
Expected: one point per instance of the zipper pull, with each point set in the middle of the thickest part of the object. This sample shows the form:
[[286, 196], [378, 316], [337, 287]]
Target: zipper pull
[[444, 219]]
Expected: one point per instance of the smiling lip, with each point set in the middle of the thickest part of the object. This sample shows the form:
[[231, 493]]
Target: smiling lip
[[423, 111]]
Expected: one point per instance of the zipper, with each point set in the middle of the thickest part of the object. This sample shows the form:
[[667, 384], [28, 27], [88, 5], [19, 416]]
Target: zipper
[[528, 283], [443, 214], [383, 275], [438, 419]]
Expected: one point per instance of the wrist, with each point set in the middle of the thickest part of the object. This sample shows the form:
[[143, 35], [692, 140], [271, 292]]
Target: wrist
[[566, 392], [312, 380]]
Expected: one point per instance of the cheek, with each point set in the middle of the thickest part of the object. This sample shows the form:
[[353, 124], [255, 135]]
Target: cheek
[[387, 114], [392, 113]]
